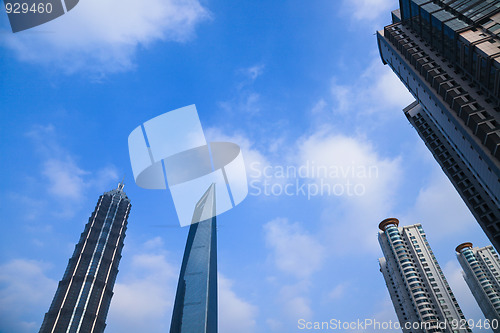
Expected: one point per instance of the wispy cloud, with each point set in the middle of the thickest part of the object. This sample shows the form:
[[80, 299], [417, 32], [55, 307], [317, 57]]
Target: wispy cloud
[[384, 313], [252, 156], [376, 95], [25, 290], [245, 101], [428, 208], [61, 176], [365, 181], [253, 72], [143, 298], [293, 250], [339, 291], [103, 37], [297, 254], [235, 314], [368, 10], [65, 178], [295, 301]]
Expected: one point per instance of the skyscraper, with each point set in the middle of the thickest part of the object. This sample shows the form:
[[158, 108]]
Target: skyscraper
[[447, 53], [195, 308], [421, 296], [482, 272], [84, 294]]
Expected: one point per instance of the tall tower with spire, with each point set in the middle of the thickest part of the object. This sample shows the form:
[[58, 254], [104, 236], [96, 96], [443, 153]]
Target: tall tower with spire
[[195, 308], [84, 294]]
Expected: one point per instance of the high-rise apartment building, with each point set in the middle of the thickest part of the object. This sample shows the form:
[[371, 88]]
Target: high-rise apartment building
[[84, 294], [481, 271], [447, 53], [195, 307], [421, 296]]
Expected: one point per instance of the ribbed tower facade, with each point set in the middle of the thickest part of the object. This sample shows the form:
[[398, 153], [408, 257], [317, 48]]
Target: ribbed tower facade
[[481, 271], [447, 53], [195, 308], [84, 294], [418, 288]]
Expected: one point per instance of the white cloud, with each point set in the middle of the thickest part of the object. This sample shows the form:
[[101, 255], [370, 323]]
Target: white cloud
[[246, 102], [293, 250], [387, 89], [274, 324], [319, 107], [294, 302], [362, 193], [254, 159], [143, 298], [384, 314], [428, 208], [338, 159], [65, 178], [338, 291], [61, 175], [253, 72], [235, 314], [377, 92], [24, 290], [103, 36], [369, 10], [343, 95]]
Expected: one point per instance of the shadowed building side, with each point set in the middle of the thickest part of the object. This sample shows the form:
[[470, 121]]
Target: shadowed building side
[[481, 271], [195, 308], [447, 53], [420, 293], [82, 299]]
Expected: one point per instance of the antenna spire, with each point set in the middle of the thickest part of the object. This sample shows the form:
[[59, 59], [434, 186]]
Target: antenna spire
[[121, 185]]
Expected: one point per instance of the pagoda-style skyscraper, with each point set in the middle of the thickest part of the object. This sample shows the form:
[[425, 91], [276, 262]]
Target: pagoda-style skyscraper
[[195, 308], [84, 294]]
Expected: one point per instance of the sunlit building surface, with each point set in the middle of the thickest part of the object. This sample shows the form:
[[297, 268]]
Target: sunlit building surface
[[481, 271], [447, 53], [421, 296]]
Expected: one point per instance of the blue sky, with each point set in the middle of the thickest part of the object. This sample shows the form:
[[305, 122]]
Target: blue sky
[[292, 83]]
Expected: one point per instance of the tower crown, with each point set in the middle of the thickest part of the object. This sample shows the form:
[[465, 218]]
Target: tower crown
[[388, 221], [463, 246]]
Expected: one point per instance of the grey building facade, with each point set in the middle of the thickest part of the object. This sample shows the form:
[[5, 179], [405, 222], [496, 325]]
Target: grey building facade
[[421, 296], [447, 53], [195, 307], [481, 271], [83, 296]]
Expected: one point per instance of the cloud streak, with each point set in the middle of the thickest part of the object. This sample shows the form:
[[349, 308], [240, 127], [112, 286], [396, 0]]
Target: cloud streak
[[235, 314], [103, 36], [143, 297], [25, 290], [63, 179], [293, 250], [368, 10]]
